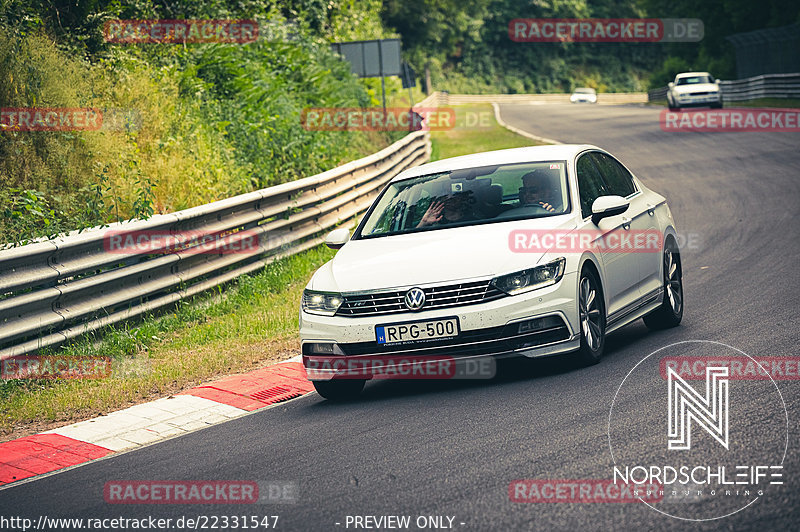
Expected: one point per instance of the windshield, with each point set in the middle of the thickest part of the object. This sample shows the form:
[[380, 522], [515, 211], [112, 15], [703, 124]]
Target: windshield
[[584, 91], [470, 196], [693, 80]]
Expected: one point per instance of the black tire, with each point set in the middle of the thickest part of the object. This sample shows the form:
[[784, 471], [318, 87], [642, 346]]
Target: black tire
[[339, 390], [670, 313], [716, 105], [592, 318], [671, 105]]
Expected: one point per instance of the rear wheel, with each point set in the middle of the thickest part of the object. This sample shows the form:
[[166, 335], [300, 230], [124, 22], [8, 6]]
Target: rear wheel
[[339, 390], [670, 313], [591, 311]]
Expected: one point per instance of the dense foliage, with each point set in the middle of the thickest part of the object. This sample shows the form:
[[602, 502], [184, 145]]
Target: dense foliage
[[467, 47], [220, 119], [212, 120]]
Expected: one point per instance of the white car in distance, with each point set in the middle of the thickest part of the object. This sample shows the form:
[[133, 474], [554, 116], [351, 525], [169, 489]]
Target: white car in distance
[[694, 89], [583, 95], [461, 258]]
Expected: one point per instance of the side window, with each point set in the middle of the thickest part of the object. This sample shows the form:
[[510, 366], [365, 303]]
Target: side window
[[618, 178], [590, 184]]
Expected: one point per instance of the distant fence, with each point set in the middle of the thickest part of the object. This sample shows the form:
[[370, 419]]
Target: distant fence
[[54, 290], [740, 90]]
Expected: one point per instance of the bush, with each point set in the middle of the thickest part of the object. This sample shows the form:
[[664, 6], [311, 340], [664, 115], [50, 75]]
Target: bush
[[215, 119]]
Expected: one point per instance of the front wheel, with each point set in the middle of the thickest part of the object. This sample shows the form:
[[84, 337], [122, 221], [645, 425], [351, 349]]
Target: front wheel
[[670, 313], [591, 311], [339, 390], [672, 105]]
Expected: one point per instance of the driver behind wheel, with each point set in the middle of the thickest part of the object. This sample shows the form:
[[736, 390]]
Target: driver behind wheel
[[540, 188]]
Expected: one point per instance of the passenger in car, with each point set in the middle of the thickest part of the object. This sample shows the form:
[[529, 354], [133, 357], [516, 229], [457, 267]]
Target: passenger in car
[[451, 209], [540, 188]]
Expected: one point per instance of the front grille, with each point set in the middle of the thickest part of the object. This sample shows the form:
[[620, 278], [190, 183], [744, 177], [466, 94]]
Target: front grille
[[436, 297], [698, 93]]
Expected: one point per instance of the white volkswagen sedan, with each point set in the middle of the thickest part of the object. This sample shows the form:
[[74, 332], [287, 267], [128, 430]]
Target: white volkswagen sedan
[[532, 252]]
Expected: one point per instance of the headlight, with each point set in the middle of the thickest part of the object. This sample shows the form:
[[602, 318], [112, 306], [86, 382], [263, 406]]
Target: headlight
[[531, 279], [325, 303]]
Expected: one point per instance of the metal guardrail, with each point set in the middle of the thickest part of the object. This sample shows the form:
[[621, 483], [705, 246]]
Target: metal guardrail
[[764, 86], [55, 290], [657, 94], [602, 98], [741, 90]]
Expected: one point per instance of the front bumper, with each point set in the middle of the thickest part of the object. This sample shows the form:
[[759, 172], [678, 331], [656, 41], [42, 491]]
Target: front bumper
[[705, 101], [490, 329]]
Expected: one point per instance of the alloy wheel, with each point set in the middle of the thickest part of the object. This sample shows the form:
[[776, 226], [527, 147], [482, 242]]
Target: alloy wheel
[[590, 314]]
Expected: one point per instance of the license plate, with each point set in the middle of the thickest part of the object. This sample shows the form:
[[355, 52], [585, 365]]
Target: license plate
[[418, 331]]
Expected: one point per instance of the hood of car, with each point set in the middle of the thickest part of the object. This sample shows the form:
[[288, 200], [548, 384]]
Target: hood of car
[[696, 87], [432, 257]]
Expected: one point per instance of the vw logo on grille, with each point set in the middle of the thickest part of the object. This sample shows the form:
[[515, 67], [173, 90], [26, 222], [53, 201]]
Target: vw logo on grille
[[415, 298]]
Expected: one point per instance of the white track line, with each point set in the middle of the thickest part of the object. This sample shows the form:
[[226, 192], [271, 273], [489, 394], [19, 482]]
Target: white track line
[[518, 131]]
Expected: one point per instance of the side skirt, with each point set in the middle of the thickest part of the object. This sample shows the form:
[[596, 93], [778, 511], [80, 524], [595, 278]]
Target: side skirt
[[636, 310]]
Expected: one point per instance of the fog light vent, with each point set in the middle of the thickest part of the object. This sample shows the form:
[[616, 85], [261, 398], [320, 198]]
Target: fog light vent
[[538, 324]]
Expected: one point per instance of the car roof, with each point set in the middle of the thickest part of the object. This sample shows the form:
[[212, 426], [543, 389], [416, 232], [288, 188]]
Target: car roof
[[691, 74], [556, 152]]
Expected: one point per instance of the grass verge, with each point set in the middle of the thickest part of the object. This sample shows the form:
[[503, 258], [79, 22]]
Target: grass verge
[[476, 131], [250, 324], [768, 102]]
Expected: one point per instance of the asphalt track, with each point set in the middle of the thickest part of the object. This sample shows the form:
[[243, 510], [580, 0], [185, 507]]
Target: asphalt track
[[451, 448]]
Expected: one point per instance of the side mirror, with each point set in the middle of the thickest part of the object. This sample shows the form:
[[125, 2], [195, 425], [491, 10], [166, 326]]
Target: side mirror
[[606, 206], [337, 238], [670, 84]]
